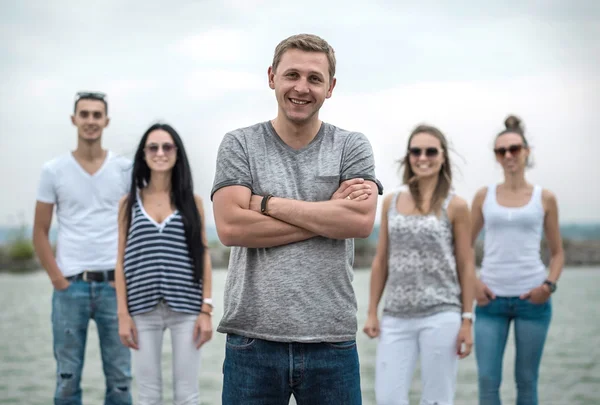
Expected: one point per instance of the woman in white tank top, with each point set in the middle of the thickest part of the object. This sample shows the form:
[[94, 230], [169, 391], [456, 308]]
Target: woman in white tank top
[[514, 284]]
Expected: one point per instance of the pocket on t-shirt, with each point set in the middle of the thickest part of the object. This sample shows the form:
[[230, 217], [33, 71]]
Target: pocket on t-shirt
[[325, 186]]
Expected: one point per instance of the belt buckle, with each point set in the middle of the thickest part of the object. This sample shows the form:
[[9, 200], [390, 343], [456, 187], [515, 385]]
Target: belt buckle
[[84, 276]]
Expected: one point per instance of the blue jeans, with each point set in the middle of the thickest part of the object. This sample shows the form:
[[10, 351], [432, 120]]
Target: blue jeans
[[71, 311], [262, 372], [492, 323]]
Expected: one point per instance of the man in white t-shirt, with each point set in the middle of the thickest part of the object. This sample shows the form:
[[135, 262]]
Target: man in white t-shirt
[[85, 187]]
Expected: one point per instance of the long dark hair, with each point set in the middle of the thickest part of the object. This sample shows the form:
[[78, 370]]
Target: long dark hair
[[182, 194], [444, 184]]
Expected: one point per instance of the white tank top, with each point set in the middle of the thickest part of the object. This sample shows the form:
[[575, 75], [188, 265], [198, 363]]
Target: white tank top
[[512, 264]]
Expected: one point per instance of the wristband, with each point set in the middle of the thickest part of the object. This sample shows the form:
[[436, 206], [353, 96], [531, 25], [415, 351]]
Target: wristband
[[263, 204], [467, 315], [208, 301]]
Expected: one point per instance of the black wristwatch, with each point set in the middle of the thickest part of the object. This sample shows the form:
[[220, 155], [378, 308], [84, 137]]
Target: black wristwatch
[[551, 285]]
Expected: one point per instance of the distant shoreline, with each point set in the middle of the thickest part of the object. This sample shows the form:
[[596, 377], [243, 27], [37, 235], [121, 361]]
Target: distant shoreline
[[577, 254]]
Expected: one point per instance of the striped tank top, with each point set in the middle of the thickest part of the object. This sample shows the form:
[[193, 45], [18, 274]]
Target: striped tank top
[[158, 266], [422, 278]]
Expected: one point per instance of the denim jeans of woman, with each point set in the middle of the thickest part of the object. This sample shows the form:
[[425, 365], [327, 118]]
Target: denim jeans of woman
[[492, 324]]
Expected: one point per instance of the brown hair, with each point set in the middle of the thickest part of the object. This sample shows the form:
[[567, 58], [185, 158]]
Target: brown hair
[[514, 125], [444, 184], [307, 43]]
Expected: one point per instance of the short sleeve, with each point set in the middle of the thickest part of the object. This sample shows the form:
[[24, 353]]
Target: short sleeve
[[233, 166], [47, 186], [127, 171], [358, 160]]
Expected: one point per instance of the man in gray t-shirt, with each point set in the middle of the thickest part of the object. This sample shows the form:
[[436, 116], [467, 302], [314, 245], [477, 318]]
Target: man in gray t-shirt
[[290, 195]]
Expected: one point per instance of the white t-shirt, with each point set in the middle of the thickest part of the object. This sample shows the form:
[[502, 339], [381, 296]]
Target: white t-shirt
[[87, 210]]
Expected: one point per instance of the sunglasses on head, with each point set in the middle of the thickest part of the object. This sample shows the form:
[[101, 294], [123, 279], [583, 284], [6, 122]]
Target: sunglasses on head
[[167, 148], [90, 94], [513, 149], [429, 152]]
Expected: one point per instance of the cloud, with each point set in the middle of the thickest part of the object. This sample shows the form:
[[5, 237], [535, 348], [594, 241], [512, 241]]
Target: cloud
[[209, 84], [119, 88], [245, 5], [42, 87], [217, 45]]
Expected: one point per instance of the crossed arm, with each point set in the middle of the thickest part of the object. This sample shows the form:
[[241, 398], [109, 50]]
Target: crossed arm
[[240, 223]]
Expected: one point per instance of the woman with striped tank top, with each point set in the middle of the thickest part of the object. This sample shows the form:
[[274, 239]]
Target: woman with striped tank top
[[513, 284], [163, 272], [424, 260]]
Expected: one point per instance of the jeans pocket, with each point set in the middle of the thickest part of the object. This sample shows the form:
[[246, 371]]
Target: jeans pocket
[[538, 304], [349, 344], [238, 342], [64, 290], [484, 305]]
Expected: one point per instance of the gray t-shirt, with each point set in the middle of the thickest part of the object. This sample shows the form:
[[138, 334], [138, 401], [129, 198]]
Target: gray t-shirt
[[300, 292]]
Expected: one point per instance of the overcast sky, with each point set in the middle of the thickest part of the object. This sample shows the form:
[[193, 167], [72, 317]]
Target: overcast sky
[[202, 67]]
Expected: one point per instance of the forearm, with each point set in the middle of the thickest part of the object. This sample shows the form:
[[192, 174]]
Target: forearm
[[121, 287], [378, 280], [43, 249], [467, 279], [207, 276], [254, 230], [557, 262], [335, 219]]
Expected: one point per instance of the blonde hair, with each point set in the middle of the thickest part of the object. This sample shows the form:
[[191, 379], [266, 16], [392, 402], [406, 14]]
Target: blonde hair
[[442, 189], [306, 43]]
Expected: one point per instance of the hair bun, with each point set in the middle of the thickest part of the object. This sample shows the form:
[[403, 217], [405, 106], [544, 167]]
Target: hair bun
[[513, 123]]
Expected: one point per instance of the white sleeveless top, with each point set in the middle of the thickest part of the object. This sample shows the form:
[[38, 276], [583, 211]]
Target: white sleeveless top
[[512, 263]]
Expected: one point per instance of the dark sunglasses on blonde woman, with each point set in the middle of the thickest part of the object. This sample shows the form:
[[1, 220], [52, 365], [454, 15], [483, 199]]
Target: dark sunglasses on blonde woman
[[513, 149], [429, 152], [167, 148]]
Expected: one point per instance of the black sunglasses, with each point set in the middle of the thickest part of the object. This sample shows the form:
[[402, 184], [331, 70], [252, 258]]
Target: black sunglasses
[[513, 149], [429, 152]]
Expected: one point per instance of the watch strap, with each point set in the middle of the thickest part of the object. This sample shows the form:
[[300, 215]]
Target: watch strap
[[263, 204], [551, 285], [467, 315]]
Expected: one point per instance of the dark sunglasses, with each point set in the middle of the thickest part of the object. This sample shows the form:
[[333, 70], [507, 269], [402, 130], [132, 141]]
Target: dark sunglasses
[[429, 152], [513, 149], [90, 94], [167, 148]]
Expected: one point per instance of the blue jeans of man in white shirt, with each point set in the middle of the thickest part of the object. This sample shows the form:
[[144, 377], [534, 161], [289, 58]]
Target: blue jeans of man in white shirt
[[72, 309]]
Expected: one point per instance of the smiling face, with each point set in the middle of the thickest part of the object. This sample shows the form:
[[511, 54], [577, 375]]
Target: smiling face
[[426, 155], [160, 152], [511, 152], [90, 119], [301, 83]]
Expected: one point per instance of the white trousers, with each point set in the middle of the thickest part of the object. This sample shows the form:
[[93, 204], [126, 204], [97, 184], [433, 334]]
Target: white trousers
[[401, 342], [147, 360]]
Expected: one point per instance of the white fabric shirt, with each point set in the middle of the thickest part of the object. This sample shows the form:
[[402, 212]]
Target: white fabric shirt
[[512, 263], [86, 209]]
